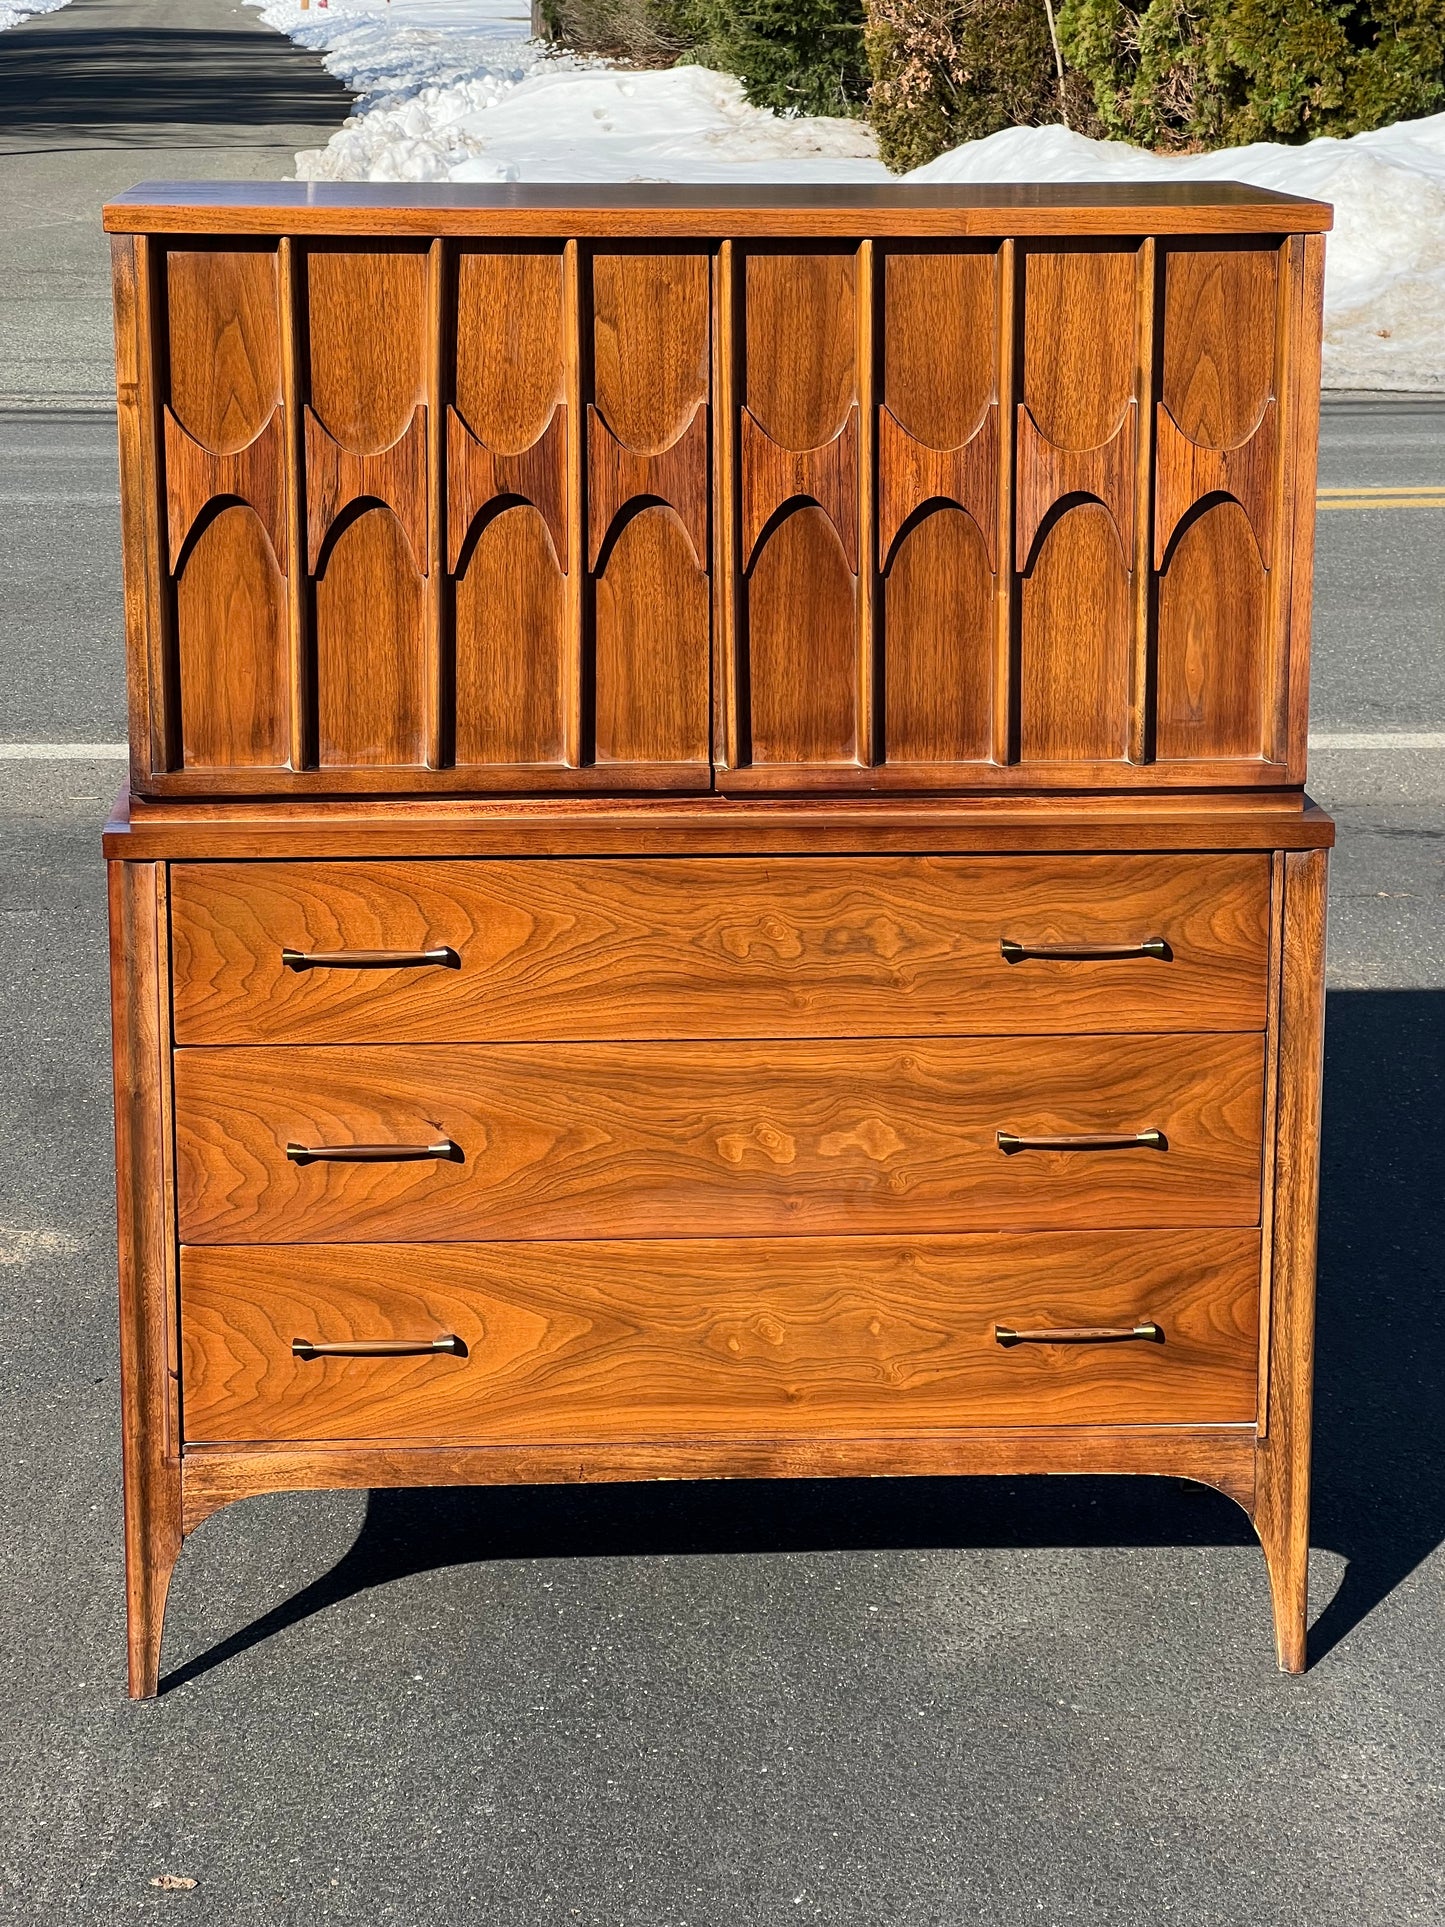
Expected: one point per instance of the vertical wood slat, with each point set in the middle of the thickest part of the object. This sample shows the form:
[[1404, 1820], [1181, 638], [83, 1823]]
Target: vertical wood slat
[[1141, 725], [437, 749], [870, 741], [141, 508], [1271, 1074], [574, 650], [1005, 594], [288, 285], [725, 510], [1290, 635], [1282, 1488], [147, 1246]]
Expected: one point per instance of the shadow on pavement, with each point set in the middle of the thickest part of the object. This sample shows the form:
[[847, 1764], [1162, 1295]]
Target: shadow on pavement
[[1380, 1406], [67, 80]]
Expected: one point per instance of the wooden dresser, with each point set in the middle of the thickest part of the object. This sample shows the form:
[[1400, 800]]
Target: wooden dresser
[[715, 880]]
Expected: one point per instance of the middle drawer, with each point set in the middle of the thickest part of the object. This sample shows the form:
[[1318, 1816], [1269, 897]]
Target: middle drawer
[[726, 1139]]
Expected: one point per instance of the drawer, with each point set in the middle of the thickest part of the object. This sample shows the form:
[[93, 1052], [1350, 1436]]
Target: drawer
[[586, 1343], [733, 947], [714, 1140]]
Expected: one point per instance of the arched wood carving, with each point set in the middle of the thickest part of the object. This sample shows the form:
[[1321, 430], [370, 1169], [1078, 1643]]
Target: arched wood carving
[[911, 473], [1048, 473], [196, 476], [394, 476], [773, 476], [676, 475], [1185, 472], [478, 476]]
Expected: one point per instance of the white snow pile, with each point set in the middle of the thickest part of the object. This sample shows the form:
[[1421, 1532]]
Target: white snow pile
[[12, 12], [455, 90]]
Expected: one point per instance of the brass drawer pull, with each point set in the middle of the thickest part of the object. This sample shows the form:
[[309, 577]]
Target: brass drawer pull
[[382, 1347], [1080, 1335], [1013, 953], [370, 959], [374, 1153], [1096, 1141]]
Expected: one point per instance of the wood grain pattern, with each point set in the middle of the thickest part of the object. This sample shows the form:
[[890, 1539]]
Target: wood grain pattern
[[1213, 642], [1187, 473], [911, 475], [938, 600], [1074, 655], [621, 1342], [396, 476], [1049, 475], [1282, 1496], [948, 210], [254, 474], [724, 948], [479, 479], [148, 1354], [647, 506], [778, 1139], [1216, 1455], [370, 646], [234, 703], [510, 664], [798, 454]]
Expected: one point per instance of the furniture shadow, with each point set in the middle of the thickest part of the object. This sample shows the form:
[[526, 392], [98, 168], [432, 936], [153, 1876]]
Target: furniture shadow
[[1379, 1466]]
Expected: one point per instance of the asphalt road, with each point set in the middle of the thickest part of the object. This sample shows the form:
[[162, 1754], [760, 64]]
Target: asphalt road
[[888, 1704], [101, 95]]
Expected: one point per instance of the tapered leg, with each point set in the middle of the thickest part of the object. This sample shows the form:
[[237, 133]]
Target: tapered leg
[[1282, 1466], [150, 1440]]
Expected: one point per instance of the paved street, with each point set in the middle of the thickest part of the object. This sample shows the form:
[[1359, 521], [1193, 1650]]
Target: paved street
[[101, 95], [885, 1704], [855, 1704]]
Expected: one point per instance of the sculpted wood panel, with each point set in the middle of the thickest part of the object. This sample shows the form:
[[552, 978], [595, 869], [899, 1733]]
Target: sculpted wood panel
[[681, 1139], [234, 703], [805, 1338], [799, 484], [507, 533], [366, 503], [226, 505], [737, 947], [938, 603], [647, 506], [370, 647], [1215, 503], [1076, 459]]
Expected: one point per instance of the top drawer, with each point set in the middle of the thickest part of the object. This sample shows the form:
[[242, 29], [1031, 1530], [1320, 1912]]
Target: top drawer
[[730, 947]]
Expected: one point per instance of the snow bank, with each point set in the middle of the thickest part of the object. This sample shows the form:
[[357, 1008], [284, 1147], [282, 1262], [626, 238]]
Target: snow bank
[[1385, 261], [12, 12], [454, 90]]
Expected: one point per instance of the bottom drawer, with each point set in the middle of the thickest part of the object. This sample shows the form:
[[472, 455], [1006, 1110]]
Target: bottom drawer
[[594, 1343]]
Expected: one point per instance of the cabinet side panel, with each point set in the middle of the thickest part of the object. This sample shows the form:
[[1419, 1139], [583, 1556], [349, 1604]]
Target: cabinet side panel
[[1077, 431], [800, 496], [647, 506]]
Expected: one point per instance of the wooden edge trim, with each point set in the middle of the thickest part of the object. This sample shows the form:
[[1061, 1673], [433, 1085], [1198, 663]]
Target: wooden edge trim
[[151, 1468], [1218, 1456], [1271, 1074]]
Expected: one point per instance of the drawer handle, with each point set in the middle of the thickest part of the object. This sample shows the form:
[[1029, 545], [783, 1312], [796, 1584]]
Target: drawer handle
[[1080, 1335], [1095, 1141], [1013, 953], [370, 959], [374, 1153], [381, 1347]]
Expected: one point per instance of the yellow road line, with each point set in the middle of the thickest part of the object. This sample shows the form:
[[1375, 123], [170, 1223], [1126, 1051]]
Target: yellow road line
[[1381, 499], [1380, 488]]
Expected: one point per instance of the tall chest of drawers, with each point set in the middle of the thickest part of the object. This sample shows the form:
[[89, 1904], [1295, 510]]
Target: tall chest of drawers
[[716, 879]]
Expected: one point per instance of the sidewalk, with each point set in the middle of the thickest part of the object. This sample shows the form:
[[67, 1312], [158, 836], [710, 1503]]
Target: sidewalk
[[101, 95]]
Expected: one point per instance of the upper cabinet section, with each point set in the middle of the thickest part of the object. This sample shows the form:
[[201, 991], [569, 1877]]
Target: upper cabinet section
[[678, 491]]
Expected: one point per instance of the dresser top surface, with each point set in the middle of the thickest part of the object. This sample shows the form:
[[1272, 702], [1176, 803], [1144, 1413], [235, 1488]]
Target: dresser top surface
[[1073, 207]]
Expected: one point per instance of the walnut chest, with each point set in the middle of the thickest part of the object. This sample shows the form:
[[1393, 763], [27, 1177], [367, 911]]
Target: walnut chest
[[715, 879]]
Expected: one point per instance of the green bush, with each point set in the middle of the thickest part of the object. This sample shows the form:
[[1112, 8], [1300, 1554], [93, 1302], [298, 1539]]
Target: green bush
[[795, 56], [1222, 72], [946, 71]]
